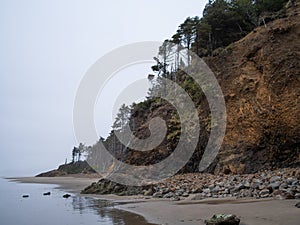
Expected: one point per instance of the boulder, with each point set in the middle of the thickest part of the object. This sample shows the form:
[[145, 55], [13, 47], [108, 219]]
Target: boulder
[[223, 219]]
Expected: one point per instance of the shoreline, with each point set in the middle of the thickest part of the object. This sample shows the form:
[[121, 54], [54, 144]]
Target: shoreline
[[68, 183], [188, 212]]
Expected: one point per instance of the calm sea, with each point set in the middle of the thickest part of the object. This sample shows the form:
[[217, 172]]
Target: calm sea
[[54, 209]]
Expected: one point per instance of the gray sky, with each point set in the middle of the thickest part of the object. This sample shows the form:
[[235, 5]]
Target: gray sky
[[46, 48]]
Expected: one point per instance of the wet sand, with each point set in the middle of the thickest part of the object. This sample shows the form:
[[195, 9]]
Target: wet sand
[[71, 184], [189, 212]]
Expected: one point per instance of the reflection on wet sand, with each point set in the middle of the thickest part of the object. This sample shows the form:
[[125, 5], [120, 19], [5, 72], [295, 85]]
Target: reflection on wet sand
[[107, 211]]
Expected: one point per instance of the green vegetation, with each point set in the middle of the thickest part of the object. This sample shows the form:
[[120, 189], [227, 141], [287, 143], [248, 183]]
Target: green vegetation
[[77, 152], [76, 168]]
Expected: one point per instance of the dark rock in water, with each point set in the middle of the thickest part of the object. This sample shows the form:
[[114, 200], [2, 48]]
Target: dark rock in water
[[297, 205], [223, 219], [47, 193], [25, 196], [66, 196]]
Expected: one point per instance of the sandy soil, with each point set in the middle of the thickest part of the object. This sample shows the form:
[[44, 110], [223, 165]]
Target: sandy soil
[[189, 212]]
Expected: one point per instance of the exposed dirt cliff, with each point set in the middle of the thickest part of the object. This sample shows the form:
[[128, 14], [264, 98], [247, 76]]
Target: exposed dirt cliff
[[260, 78]]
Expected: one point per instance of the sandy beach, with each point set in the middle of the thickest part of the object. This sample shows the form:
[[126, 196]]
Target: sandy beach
[[187, 212], [71, 184]]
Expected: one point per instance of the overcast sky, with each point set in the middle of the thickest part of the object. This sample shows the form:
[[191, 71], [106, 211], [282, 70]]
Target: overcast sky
[[46, 46]]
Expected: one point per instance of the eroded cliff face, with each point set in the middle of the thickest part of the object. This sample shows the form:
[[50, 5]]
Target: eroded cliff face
[[260, 78]]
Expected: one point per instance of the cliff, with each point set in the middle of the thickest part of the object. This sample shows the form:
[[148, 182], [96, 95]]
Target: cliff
[[260, 78]]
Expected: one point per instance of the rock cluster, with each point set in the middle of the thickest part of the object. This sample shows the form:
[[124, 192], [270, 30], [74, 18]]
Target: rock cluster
[[281, 184]]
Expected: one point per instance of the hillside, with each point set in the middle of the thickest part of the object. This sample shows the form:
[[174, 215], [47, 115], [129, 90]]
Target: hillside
[[260, 78]]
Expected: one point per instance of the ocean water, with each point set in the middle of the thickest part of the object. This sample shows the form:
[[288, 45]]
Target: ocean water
[[56, 210]]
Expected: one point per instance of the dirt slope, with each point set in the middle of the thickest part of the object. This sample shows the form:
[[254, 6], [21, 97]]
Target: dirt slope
[[260, 79]]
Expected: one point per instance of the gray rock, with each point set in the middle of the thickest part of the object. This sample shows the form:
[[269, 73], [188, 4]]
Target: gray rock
[[169, 195], [215, 189], [165, 190], [220, 184], [185, 195], [223, 219], [246, 194], [179, 192], [263, 174], [275, 178], [198, 197], [275, 185], [157, 195], [239, 187], [175, 198], [257, 181], [247, 185], [290, 180], [265, 196], [254, 186], [262, 187], [283, 186], [226, 191], [264, 192], [206, 190]]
